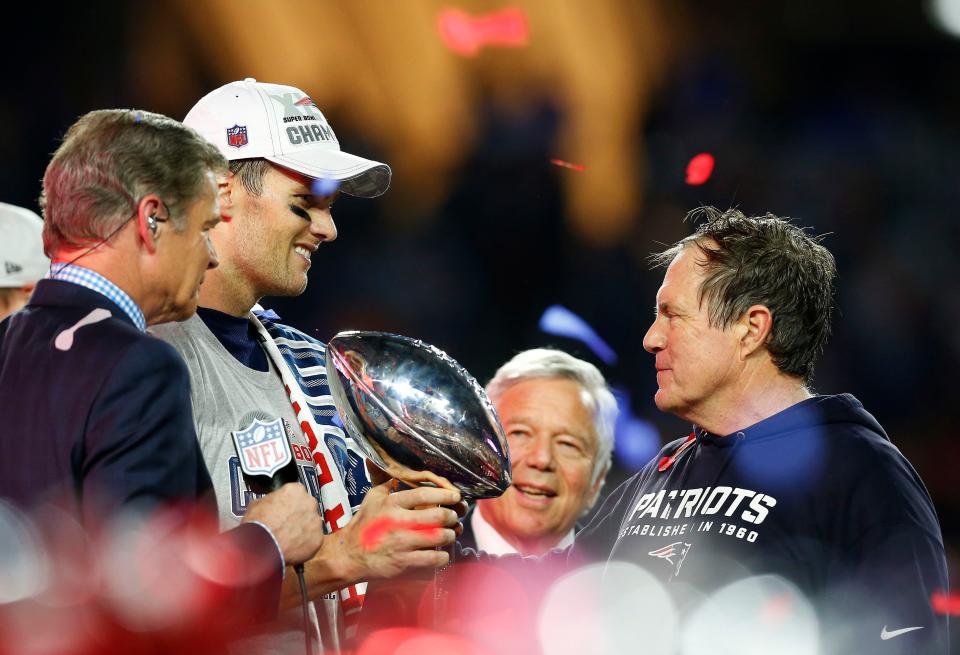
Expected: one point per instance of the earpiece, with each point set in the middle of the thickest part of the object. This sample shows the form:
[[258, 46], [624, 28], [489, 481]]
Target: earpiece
[[152, 223]]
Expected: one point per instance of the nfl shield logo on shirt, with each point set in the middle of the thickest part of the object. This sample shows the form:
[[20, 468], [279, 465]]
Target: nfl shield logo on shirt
[[262, 447], [237, 136]]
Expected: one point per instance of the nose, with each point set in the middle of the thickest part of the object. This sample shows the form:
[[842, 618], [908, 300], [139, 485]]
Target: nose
[[655, 339], [539, 454], [212, 260], [322, 226]]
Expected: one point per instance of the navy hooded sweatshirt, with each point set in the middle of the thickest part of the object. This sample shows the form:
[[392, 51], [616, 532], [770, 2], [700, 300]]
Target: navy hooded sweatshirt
[[816, 494]]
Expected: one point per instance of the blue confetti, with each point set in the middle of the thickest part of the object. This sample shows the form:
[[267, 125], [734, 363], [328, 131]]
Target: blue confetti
[[636, 440], [562, 322], [323, 186]]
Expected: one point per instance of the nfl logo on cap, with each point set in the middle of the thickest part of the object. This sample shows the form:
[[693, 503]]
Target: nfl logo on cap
[[237, 136], [262, 447]]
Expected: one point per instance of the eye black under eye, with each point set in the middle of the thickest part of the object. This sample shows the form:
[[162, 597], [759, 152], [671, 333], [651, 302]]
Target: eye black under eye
[[301, 212]]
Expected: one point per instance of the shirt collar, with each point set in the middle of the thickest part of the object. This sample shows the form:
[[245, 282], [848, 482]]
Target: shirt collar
[[492, 542], [92, 280]]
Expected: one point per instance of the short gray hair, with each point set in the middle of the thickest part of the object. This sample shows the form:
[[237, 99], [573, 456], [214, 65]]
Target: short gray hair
[[108, 161], [541, 363]]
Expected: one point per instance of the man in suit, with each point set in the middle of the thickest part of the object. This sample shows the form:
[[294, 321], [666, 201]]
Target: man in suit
[[558, 415], [95, 413]]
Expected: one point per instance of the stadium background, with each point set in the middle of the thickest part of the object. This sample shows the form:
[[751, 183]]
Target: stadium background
[[843, 115]]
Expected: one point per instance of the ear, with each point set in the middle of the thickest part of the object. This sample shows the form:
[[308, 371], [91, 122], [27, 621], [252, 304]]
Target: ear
[[226, 192], [149, 205], [755, 327]]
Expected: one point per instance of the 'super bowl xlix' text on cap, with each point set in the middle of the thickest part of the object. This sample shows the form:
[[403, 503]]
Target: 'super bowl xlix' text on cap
[[281, 124], [21, 247]]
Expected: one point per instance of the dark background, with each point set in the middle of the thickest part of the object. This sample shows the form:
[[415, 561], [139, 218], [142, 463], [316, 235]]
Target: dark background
[[843, 115]]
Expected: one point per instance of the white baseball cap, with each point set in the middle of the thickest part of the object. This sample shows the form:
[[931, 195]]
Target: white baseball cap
[[21, 247], [281, 124]]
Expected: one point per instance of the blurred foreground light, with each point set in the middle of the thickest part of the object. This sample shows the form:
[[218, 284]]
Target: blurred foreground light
[[755, 616], [945, 15], [484, 604], [700, 169], [560, 321], [417, 641], [612, 608], [74, 570], [23, 564], [149, 585], [210, 556], [948, 604]]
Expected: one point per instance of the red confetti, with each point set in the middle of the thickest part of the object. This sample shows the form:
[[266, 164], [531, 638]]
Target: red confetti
[[667, 462], [699, 169], [566, 164], [948, 604], [467, 35], [374, 533]]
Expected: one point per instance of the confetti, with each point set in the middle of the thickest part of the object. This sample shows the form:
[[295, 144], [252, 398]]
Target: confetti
[[560, 321], [467, 35], [323, 186], [948, 604], [374, 533], [699, 169], [566, 164]]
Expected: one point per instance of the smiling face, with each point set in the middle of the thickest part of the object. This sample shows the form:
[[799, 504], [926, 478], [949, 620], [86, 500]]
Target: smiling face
[[698, 367], [553, 444], [267, 245]]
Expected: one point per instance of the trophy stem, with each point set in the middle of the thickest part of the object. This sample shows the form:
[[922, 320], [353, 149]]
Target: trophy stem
[[440, 592]]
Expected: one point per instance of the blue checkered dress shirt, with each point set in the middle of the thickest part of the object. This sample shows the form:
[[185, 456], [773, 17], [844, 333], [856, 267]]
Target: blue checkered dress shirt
[[96, 282]]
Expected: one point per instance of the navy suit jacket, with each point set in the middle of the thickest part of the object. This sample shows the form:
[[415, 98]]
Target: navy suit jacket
[[108, 419], [106, 423]]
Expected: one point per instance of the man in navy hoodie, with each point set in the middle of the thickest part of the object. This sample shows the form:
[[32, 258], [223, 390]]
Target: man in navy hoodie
[[773, 479], [785, 521]]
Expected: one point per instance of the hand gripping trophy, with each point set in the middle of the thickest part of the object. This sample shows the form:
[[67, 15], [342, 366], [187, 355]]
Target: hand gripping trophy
[[420, 416]]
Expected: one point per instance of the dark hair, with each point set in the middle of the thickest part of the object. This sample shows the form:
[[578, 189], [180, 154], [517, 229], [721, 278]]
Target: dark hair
[[111, 158], [251, 173], [765, 260]]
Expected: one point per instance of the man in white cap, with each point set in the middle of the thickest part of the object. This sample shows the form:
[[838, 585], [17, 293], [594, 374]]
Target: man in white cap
[[248, 370], [22, 261]]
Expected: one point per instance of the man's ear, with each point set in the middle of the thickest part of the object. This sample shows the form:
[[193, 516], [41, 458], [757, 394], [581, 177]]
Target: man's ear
[[226, 192], [149, 206], [756, 325]]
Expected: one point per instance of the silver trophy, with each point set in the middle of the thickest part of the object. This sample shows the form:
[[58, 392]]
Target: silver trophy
[[417, 413]]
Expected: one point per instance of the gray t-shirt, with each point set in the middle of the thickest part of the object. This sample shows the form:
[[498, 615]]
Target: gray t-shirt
[[228, 396]]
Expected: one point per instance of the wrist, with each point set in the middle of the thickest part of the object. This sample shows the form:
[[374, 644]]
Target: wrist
[[335, 563]]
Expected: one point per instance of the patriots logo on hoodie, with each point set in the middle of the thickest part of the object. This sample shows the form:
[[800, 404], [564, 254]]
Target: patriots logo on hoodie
[[674, 554]]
